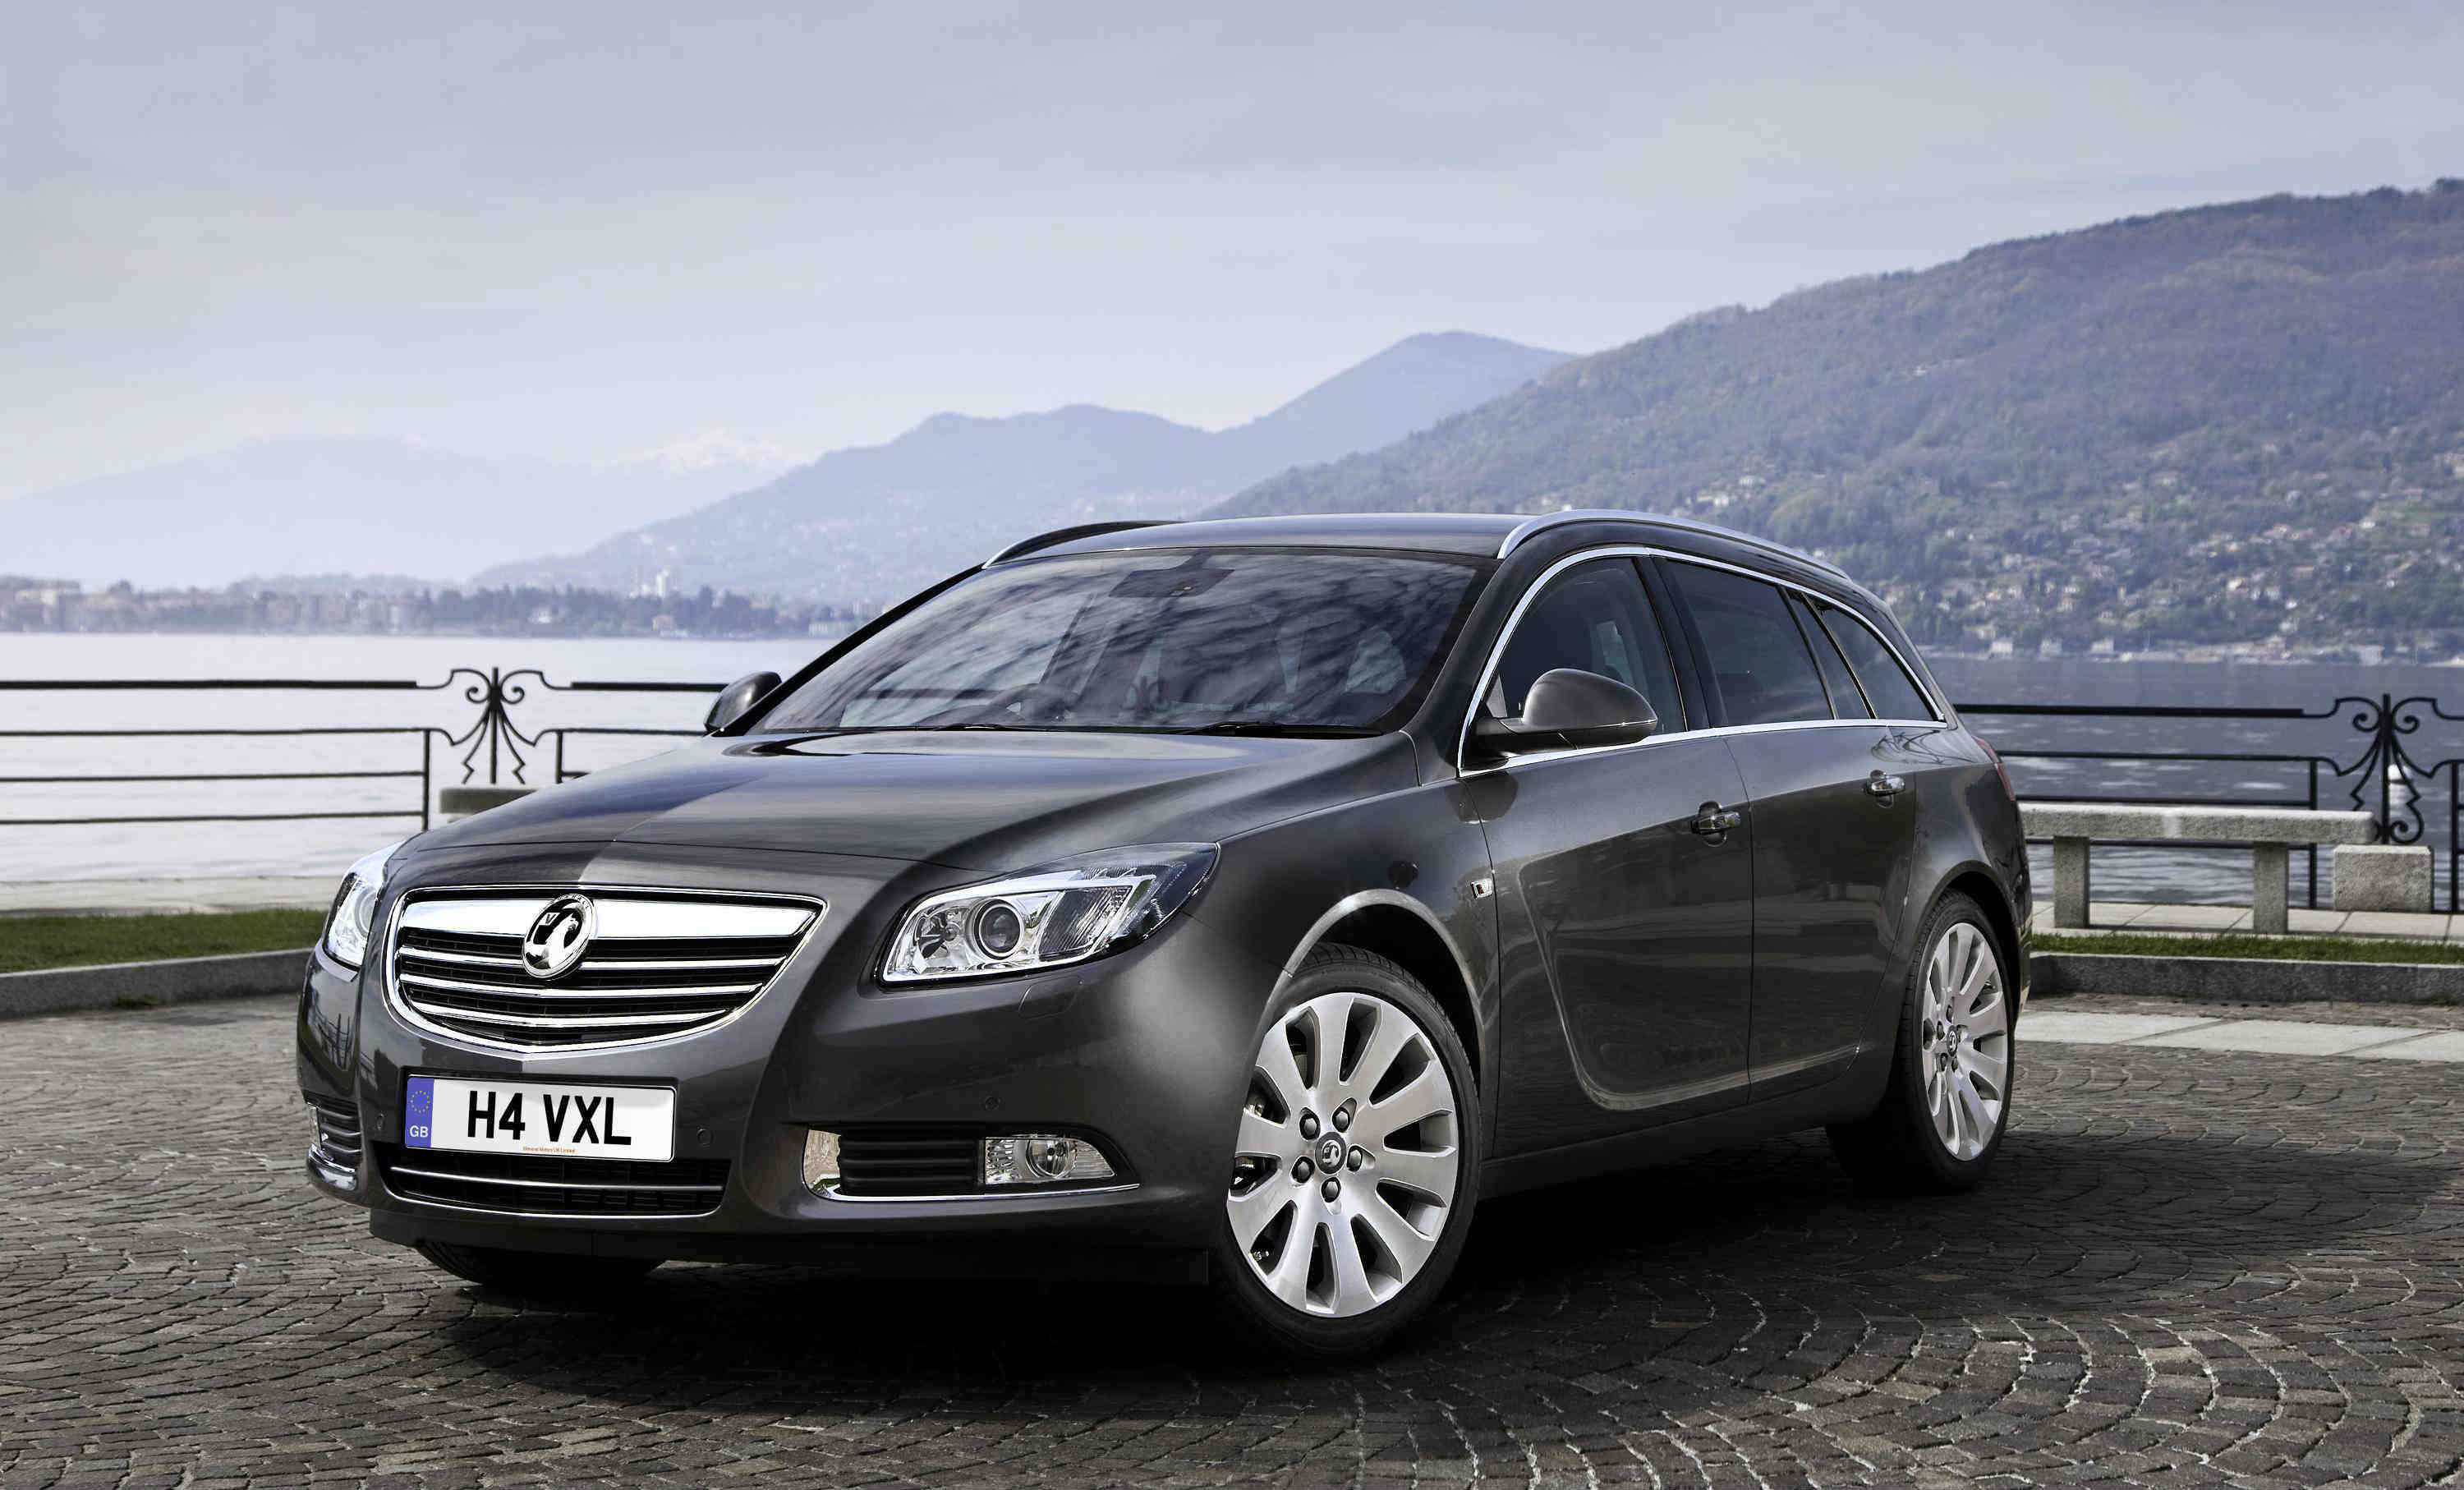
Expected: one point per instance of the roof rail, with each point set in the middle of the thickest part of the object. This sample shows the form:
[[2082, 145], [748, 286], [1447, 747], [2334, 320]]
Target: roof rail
[[1546, 520], [1084, 530]]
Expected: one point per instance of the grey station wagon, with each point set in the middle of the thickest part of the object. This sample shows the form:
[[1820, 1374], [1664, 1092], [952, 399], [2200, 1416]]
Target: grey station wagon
[[1238, 902]]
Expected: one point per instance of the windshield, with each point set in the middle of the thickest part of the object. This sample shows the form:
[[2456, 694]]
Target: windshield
[[1265, 640]]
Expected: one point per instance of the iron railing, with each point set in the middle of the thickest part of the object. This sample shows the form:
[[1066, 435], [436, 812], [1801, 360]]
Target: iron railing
[[493, 742], [2385, 773], [2382, 774]]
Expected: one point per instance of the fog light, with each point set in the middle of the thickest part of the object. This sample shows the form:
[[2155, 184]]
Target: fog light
[[821, 1159], [1042, 1159]]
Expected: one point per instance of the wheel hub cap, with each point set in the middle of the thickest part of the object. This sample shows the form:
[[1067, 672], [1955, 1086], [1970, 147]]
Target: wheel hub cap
[[1329, 1248]]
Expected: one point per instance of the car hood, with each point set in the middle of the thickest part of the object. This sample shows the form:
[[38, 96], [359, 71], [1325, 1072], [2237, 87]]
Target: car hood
[[968, 800]]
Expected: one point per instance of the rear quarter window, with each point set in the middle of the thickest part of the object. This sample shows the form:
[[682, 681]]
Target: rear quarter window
[[1893, 693]]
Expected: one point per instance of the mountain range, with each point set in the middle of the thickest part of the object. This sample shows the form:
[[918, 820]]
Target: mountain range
[[2224, 424], [347, 505], [881, 521], [868, 524]]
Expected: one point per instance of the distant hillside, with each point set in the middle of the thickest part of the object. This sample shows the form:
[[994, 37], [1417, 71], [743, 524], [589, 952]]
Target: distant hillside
[[341, 505], [2223, 424], [878, 522]]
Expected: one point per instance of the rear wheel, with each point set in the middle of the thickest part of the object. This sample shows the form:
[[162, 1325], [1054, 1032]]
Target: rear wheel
[[1941, 1119], [539, 1274], [1357, 1164]]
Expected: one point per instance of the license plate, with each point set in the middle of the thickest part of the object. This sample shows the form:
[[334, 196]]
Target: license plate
[[488, 1116]]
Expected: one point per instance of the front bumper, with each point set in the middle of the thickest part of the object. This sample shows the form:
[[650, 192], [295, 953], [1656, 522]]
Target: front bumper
[[1148, 1050]]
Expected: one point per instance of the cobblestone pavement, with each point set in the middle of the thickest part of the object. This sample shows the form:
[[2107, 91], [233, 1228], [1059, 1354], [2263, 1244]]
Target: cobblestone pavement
[[2190, 1269]]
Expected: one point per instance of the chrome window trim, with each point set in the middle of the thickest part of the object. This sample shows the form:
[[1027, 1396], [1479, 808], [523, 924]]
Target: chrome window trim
[[401, 1009], [1546, 520], [1532, 592]]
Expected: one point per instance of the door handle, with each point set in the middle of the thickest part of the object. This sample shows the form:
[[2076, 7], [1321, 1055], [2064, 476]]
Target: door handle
[[1716, 822], [1885, 787]]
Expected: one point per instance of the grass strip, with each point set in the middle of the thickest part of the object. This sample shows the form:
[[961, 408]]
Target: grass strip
[[2242, 944], [28, 943]]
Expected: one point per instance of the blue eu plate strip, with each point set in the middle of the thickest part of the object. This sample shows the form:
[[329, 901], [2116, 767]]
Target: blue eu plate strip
[[416, 1122]]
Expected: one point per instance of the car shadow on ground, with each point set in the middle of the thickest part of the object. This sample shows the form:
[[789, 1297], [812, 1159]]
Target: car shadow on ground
[[1661, 1275]]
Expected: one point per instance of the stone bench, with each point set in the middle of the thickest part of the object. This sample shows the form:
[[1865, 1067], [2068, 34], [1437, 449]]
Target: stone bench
[[2271, 832]]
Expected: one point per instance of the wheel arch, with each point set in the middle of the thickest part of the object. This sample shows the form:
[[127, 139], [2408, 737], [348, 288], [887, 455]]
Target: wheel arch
[[1978, 884], [1408, 934]]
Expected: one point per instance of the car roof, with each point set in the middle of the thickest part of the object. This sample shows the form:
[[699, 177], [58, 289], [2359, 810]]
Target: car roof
[[1448, 532], [1482, 534]]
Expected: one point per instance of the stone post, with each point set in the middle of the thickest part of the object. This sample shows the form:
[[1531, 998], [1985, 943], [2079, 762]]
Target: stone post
[[2269, 867], [2069, 882]]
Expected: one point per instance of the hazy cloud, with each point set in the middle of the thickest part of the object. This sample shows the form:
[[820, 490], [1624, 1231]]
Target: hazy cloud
[[583, 232]]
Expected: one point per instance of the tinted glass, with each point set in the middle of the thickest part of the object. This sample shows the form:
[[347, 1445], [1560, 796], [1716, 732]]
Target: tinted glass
[[1595, 617], [1759, 662], [1846, 702], [1266, 638], [1894, 694]]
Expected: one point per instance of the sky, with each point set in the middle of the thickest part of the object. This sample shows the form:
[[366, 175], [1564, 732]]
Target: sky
[[586, 231]]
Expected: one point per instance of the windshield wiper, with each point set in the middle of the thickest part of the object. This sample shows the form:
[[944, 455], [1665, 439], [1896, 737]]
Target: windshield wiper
[[1277, 727]]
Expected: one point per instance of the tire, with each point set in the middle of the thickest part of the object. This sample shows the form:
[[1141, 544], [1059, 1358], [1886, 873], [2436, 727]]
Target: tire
[[1303, 1275], [1941, 1119], [542, 1275]]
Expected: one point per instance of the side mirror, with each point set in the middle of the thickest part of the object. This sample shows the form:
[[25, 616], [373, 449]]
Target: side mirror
[[736, 699], [1569, 708]]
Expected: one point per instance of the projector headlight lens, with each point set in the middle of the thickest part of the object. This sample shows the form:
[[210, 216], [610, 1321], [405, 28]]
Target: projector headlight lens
[[353, 918], [1047, 917]]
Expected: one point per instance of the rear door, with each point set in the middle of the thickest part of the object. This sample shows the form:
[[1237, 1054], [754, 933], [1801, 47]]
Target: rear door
[[1624, 927], [1833, 840]]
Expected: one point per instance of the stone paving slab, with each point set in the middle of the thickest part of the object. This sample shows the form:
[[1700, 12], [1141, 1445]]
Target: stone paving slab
[[2188, 1268], [2101, 1029], [2107, 916], [2281, 1037], [2264, 1036], [2446, 1046]]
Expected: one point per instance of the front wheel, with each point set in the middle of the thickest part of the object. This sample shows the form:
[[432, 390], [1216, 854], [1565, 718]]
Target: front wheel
[[1942, 1118], [1357, 1164]]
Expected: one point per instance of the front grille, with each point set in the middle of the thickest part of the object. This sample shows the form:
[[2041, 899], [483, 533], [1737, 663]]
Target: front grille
[[539, 1185], [658, 965], [338, 1147], [910, 1161]]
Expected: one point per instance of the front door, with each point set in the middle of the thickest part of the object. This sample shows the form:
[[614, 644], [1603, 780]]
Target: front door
[[1626, 917]]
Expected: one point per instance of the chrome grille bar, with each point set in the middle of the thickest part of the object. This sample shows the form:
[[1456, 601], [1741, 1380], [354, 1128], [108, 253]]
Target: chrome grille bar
[[572, 1021], [455, 959], [540, 990]]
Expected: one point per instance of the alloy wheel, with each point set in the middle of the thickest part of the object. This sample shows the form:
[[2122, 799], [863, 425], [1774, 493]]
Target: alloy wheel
[[1344, 1174], [1965, 1032]]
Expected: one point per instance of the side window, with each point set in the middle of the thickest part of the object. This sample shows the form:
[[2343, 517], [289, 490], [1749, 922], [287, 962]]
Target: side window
[[1894, 694], [1595, 617], [1760, 666], [1846, 702]]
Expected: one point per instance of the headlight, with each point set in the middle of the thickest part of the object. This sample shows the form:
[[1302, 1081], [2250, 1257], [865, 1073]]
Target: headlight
[[354, 916], [1063, 912]]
